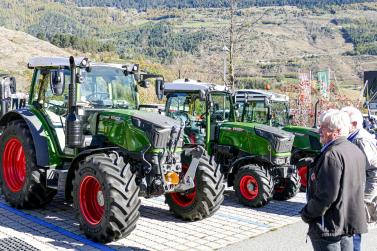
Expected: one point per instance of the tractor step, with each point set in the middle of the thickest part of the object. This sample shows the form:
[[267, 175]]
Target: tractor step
[[56, 179]]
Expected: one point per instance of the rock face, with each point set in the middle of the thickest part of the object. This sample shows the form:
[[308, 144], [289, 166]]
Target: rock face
[[16, 49]]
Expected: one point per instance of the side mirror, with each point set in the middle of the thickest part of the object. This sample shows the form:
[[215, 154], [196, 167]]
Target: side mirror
[[12, 85], [202, 95], [160, 86], [57, 82], [269, 115], [267, 102], [145, 83]]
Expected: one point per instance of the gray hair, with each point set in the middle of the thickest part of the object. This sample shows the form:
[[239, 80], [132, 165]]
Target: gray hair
[[355, 115], [336, 120]]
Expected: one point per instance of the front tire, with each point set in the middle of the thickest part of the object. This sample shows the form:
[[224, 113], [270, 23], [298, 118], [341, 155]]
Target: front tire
[[23, 183], [202, 201], [253, 185], [286, 188], [105, 197]]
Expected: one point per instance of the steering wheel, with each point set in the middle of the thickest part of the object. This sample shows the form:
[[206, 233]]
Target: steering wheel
[[98, 96], [183, 116]]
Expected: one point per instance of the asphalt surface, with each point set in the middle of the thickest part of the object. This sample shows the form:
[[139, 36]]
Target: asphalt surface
[[292, 237], [55, 227]]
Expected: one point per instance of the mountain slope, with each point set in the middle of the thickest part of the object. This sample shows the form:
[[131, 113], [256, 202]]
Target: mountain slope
[[17, 48], [144, 4]]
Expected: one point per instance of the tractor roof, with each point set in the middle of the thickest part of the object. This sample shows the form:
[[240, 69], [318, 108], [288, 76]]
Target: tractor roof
[[190, 85], [64, 61], [240, 95], [52, 61]]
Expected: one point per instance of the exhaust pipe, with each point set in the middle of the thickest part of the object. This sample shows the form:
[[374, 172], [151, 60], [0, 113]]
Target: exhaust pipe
[[74, 136]]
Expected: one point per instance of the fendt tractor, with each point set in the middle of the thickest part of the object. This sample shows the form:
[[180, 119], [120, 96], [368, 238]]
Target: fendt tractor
[[265, 107], [253, 157], [82, 132]]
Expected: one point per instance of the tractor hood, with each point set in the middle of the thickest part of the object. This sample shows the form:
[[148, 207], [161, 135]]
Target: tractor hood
[[162, 131], [156, 119], [282, 141], [274, 130]]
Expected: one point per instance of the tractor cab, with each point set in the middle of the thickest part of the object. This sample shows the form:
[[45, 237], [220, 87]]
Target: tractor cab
[[100, 87], [263, 107], [202, 107]]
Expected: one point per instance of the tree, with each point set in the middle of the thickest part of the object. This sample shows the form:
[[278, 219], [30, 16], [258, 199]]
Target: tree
[[235, 37]]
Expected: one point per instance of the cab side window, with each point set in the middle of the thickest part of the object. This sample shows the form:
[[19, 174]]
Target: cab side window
[[44, 96], [220, 108]]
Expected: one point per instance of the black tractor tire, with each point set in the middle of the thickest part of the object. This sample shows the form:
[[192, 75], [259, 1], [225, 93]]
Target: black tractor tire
[[260, 180], [105, 197], [202, 201], [286, 188], [23, 183]]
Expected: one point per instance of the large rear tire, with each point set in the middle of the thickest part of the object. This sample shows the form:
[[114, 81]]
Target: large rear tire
[[105, 197], [286, 188], [253, 185], [202, 201], [23, 183]]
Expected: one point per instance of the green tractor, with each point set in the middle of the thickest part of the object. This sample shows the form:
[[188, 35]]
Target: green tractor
[[82, 133], [264, 107], [253, 157]]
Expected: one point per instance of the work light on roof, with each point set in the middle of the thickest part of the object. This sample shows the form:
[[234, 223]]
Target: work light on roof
[[84, 63]]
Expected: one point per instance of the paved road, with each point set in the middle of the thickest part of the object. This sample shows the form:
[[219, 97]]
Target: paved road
[[55, 227], [292, 237]]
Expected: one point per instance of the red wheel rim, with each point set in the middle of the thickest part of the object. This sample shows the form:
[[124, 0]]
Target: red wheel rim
[[91, 200], [184, 199], [302, 172], [249, 187], [14, 165]]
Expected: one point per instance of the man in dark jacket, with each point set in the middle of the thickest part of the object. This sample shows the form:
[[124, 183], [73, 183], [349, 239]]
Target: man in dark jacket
[[335, 208]]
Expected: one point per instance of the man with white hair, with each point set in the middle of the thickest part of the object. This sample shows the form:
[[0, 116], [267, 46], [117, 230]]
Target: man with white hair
[[366, 143], [335, 191]]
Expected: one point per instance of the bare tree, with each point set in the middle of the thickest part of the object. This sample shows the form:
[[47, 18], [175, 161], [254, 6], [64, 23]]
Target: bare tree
[[235, 38]]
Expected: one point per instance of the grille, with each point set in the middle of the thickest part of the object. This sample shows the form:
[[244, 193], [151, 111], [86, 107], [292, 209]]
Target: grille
[[283, 145]]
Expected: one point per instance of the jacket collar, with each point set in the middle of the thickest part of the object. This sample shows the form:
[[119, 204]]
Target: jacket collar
[[338, 141]]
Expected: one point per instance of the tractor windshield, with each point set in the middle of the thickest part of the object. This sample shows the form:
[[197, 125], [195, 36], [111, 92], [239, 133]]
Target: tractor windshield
[[105, 86], [279, 113], [186, 107], [257, 111]]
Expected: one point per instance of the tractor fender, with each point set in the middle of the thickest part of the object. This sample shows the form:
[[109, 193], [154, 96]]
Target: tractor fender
[[248, 160], [75, 165], [36, 129], [237, 164]]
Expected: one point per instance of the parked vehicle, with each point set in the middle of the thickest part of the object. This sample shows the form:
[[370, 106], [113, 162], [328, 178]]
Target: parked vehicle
[[253, 157], [82, 133], [265, 107]]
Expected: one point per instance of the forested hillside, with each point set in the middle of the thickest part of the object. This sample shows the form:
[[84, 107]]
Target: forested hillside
[[271, 44], [145, 4]]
